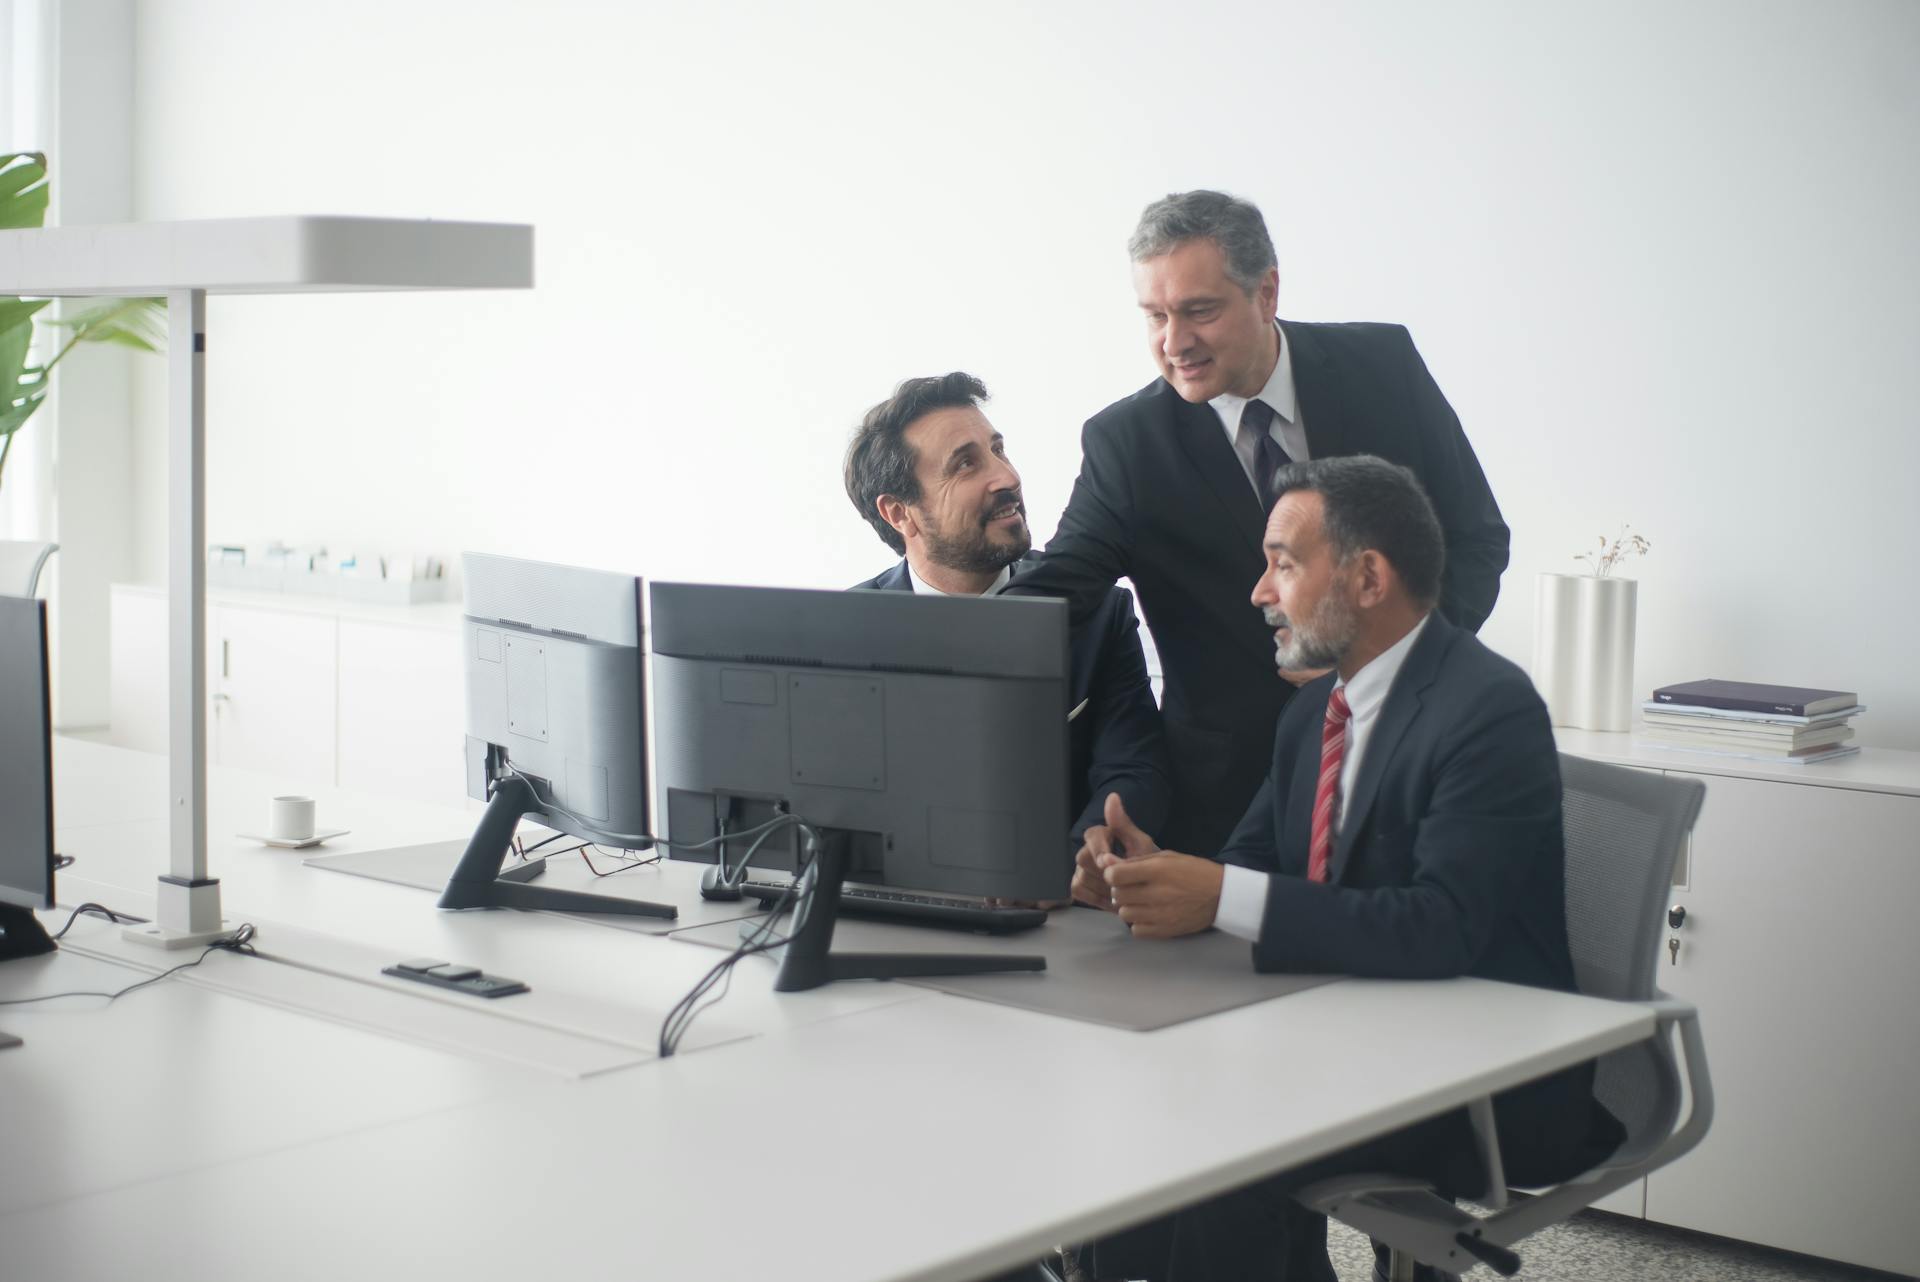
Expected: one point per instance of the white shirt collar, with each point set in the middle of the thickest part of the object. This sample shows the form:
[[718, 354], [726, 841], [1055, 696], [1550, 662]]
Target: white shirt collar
[[1279, 393], [1369, 687], [920, 585]]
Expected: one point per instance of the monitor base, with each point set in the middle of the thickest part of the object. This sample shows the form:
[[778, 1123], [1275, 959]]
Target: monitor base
[[810, 962], [478, 881], [21, 934]]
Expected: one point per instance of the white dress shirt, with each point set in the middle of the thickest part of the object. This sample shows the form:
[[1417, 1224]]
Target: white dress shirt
[[1286, 429], [1243, 891], [920, 585]]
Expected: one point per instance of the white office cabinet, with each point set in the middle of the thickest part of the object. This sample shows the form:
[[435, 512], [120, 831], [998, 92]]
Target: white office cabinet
[[402, 711], [273, 691], [368, 697], [1800, 949]]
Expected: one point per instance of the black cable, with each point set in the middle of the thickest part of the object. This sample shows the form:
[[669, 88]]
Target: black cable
[[94, 910], [240, 941], [555, 854], [733, 876], [640, 840], [626, 864], [548, 842], [688, 1008]]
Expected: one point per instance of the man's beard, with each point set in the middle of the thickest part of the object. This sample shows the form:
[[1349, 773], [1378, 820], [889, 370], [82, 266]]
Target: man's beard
[[1319, 640], [973, 552]]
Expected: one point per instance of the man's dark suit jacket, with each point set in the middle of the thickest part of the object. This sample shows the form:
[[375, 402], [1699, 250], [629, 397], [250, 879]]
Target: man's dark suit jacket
[[1115, 742], [1162, 500], [1450, 861]]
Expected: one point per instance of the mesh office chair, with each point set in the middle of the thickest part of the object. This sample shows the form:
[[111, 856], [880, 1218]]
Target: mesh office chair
[[1624, 829], [20, 564]]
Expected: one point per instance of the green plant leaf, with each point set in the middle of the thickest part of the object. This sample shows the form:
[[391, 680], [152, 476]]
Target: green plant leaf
[[23, 190], [19, 311], [15, 412], [22, 386], [14, 343], [140, 323], [12, 418]]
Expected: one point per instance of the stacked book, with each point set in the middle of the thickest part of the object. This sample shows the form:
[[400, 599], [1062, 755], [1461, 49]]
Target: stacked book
[[1742, 719]]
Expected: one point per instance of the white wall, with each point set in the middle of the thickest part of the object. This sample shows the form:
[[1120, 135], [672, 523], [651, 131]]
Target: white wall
[[1661, 256], [87, 416]]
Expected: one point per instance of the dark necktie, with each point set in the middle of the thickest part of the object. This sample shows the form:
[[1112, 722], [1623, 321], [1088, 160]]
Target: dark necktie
[[1255, 439]]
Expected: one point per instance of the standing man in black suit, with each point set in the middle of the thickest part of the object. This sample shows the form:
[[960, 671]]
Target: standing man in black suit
[[927, 471], [1408, 827], [1176, 480]]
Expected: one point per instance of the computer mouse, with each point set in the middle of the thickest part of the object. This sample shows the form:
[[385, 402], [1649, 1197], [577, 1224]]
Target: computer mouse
[[713, 885]]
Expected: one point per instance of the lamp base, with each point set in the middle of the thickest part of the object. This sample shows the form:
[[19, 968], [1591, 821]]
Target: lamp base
[[187, 915], [160, 937]]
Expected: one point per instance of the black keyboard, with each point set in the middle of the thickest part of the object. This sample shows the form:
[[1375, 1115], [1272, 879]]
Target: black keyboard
[[917, 910]]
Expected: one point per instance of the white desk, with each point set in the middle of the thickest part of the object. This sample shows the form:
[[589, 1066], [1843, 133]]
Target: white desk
[[864, 1131]]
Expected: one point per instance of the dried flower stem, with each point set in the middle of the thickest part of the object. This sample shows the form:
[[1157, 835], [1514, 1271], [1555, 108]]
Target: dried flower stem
[[1600, 563]]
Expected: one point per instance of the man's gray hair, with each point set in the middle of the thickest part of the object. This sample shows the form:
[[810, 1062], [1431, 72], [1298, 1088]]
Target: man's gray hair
[[1229, 222]]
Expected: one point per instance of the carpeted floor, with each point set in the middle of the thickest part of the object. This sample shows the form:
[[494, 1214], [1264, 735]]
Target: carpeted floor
[[1597, 1247]]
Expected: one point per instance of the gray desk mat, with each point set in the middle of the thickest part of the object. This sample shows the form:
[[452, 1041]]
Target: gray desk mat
[[1096, 971], [668, 882]]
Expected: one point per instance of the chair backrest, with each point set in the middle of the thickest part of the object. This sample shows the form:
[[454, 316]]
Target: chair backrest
[[1625, 829], [20, 564]]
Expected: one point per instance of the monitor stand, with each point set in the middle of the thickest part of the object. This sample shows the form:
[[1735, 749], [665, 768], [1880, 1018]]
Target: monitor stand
[[21, 934], [478, 882], [809, 962]]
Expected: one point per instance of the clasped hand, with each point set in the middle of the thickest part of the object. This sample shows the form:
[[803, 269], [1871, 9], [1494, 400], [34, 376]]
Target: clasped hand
[[1159, 893]]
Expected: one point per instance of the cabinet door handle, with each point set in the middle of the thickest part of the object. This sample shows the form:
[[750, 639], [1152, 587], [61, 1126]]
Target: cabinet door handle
[[1676, 916], [226, 654]]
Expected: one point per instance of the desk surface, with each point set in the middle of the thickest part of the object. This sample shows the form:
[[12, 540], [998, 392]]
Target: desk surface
[[861, 1131]]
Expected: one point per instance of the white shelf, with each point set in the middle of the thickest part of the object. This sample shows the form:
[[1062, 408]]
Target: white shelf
[[1891, 770], [294, 254]]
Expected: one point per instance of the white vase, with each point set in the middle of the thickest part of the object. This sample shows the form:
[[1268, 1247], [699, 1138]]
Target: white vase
[[1583, 650]]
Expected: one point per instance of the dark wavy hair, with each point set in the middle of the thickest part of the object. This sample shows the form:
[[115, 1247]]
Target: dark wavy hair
[[879, 460]]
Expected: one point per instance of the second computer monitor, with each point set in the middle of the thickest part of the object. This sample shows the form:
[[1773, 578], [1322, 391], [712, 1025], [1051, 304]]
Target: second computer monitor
[[555, 692], [930, 731]]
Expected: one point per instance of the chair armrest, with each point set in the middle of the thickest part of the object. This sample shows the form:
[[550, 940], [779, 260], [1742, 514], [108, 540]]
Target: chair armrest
[[1407, 1216], [1557, 1203]]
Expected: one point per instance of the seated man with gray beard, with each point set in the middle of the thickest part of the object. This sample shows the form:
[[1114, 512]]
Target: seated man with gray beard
[[1409, 828], [927, 471]]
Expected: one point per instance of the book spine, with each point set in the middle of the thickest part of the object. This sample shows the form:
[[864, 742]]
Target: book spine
[[1736, 705]]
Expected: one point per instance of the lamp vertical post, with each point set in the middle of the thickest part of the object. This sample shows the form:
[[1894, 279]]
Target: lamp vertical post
[[188, 901]]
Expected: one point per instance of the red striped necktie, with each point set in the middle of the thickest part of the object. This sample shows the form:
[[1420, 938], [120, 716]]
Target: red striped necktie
[[1326, 797]]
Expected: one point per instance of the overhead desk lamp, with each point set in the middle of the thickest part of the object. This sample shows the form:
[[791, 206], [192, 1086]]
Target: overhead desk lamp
[[184, 262]]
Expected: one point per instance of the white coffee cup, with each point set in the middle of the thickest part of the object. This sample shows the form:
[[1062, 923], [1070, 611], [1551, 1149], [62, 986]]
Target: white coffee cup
[[291, 819]]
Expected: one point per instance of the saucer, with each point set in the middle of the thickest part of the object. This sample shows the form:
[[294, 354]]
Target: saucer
[[288, 843]]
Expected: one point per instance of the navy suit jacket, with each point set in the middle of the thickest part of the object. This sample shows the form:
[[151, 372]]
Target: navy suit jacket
[[1162, 500], [1115, 742], [1450, 861]]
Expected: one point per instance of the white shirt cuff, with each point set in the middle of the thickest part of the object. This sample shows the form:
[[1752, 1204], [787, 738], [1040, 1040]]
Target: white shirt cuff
[[1243, 902]]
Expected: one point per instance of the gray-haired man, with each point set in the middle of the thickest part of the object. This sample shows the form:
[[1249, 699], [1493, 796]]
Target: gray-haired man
[[1176, 481]]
